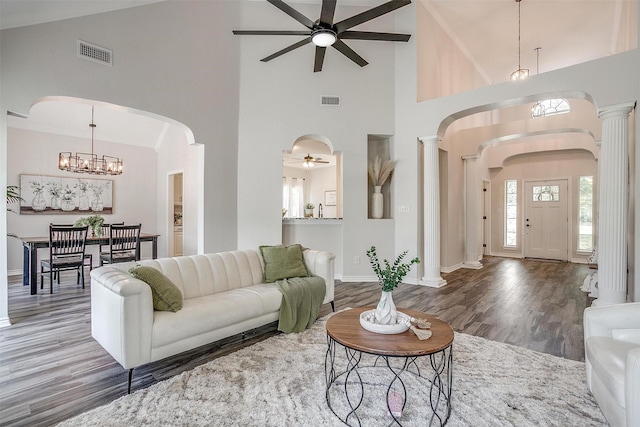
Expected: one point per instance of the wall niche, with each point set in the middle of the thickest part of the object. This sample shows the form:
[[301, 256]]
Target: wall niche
[[379, 146]]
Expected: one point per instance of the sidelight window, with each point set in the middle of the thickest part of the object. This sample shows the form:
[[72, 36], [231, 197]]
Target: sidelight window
[[585, 212], [511, 213]]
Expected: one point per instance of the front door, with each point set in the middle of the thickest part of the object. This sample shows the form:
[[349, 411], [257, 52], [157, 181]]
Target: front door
[[546, 219]]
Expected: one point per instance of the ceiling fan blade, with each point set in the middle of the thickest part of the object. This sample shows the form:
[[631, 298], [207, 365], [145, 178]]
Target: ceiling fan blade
[[287, 49], [328, 11], [270, 33], [349, 53], [370, 14], [317, 65], [366, 35], [292, 13]]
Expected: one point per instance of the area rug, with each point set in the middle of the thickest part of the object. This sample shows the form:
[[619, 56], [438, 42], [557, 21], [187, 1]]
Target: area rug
[[280, 382]]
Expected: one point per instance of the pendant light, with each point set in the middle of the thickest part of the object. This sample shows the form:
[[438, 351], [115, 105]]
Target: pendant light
[[520, 73], [89, 163]]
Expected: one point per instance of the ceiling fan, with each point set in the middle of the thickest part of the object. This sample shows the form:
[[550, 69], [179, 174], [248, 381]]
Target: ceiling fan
[[324, 32], [309, 161]]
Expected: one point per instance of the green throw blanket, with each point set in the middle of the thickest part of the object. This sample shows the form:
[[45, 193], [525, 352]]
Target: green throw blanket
[[301, 301]]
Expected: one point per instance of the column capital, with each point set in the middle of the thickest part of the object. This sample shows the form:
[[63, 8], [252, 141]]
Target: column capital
[[434, 139], [473, 157], [618, 110]]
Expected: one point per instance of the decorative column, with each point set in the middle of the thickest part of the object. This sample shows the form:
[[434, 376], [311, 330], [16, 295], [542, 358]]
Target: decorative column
[[613, 201], [472, 190], [431, 218]]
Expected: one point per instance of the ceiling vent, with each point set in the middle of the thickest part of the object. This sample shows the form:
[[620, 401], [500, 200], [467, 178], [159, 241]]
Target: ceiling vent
[[331, 101], [94, 53]]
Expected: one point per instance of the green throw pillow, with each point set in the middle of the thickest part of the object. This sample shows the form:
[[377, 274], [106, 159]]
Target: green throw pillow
[[283, 262], [166, 295]]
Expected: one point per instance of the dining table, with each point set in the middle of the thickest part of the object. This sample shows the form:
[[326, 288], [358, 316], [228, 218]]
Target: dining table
[[30, 246]]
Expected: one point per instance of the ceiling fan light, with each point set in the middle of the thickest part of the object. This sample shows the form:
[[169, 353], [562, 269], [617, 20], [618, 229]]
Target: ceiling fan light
[[324, 37]]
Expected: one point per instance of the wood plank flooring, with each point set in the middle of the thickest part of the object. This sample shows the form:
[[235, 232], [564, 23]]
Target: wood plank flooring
[[51, 369]]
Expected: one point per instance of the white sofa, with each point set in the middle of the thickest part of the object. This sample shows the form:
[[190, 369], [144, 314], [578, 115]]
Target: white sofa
[[223, 295], [612, 355]]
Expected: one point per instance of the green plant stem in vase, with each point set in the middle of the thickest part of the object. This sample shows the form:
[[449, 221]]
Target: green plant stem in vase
[[389, 277]]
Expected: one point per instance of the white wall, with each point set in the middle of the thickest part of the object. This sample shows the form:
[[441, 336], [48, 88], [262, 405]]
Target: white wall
[[134, 193], [280, 101]]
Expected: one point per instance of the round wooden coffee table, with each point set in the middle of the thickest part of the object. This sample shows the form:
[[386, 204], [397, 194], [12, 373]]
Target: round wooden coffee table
[[399, 355]]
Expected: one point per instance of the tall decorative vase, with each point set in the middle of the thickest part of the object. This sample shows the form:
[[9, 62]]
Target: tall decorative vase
[[386, 313], [377, 203]]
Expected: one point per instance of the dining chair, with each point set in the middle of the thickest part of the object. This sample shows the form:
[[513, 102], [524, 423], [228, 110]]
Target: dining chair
[[124, 244], [66, 252], [105, 232], [87, 256]]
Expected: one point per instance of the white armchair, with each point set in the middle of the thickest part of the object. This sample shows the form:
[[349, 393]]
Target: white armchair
[[612, 355]]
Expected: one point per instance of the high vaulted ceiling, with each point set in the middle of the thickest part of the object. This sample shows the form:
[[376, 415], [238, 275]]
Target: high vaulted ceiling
[[567, 31]]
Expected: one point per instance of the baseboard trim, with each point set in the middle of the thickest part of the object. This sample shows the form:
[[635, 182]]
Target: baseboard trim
[[359, 278], [14, 272], [451, 268]]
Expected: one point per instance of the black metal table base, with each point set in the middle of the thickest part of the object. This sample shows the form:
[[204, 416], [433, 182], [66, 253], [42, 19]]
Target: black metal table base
[[348, 386]]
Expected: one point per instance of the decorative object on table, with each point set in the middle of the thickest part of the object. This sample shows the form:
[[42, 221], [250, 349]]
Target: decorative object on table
[[90, 163], [77, 195], [308, 210], [379, 172], [420, 327], [368, 321], [389, 277], [284, 212], [94, 222]]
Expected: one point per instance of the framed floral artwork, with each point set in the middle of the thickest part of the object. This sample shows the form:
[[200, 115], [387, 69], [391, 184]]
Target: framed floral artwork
[[54, 195]]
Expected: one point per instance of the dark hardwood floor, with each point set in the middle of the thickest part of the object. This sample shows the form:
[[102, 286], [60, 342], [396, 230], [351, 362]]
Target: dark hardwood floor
[[51, 369]]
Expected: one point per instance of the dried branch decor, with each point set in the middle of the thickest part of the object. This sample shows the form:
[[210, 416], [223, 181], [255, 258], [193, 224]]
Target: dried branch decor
[[380, 171]]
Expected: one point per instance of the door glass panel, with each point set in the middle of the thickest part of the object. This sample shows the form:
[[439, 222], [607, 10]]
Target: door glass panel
[[546, 193]]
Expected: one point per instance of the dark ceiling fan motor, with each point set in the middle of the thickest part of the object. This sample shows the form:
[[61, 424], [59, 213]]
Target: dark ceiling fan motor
[[324, 32]]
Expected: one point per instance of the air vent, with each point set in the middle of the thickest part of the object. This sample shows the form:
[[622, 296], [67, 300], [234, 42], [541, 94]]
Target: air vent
[[94, 53], [331, 101]]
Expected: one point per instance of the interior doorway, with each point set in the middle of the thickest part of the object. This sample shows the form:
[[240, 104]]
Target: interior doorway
[[546, 223], [175, 208]]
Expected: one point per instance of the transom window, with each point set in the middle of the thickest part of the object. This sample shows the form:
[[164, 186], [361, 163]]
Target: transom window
[[550, 107]]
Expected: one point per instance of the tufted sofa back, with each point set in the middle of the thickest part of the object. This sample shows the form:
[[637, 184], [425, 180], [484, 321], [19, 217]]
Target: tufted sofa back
[[201, 275]]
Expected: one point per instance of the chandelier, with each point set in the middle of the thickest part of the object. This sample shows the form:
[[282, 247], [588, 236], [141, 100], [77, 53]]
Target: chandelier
[[520, 73], [89, 162]]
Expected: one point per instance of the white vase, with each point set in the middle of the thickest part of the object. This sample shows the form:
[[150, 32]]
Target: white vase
[[377, 203], [386, 313]]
